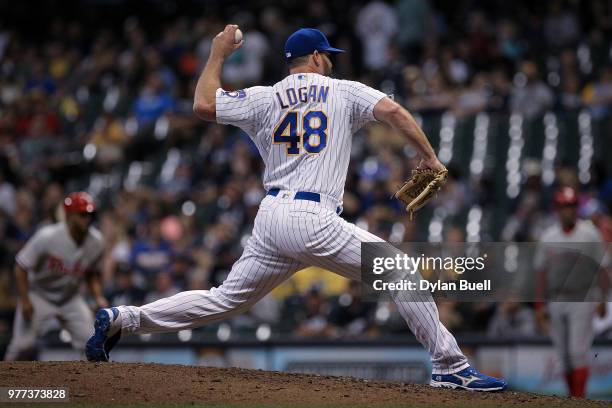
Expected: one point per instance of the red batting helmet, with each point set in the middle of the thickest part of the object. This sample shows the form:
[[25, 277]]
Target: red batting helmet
[[566, 196], [80, 202]]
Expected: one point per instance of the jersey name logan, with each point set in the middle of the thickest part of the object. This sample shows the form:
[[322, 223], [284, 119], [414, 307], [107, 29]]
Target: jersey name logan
[[311, 94]]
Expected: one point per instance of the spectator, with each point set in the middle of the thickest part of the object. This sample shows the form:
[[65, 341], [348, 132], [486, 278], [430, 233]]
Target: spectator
[[162, 288], [153, 102], [531, 97], [529, 218], [479, 39], [560, 26], [40, 80], [508, 42], [118, 246], [414, 23], [474, 99], [109, 137], [569, 99], [7, 196], [598, 96], [376, 26], [277, 29], [125, 291], [265, 311], [351, 314], [499, 99], [455, 68], [456, 195], [434, 97], [151, 254], [512, 319], [315, 322], [181, 269]]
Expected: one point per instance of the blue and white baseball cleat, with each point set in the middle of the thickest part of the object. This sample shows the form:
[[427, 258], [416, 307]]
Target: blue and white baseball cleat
[[106, 335], [468, 379]]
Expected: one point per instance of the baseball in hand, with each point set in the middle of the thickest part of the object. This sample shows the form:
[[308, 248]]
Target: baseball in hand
[[237, 36]]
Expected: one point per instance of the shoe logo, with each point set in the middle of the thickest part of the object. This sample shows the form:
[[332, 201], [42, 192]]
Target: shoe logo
[[438, 378], [466, 381]]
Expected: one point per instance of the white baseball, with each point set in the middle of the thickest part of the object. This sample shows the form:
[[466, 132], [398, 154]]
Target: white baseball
[[237, 36]]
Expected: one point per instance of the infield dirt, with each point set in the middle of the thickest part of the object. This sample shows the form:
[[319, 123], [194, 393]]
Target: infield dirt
[[115, 384]]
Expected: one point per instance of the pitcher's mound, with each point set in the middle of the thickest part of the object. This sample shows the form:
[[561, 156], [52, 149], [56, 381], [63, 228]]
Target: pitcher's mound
[[110, 384]]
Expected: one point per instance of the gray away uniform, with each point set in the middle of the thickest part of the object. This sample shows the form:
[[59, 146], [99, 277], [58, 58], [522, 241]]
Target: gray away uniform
[[572, 321], [56, 267]]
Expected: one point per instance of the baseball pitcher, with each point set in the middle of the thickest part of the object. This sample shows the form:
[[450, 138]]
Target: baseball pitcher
[[302, 127], [49, 271]]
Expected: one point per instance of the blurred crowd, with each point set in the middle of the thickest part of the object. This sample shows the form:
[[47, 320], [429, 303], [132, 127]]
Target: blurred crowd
[[103, 103]]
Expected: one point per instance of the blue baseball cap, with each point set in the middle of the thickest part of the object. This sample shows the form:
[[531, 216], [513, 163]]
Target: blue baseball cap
[[306, 41]]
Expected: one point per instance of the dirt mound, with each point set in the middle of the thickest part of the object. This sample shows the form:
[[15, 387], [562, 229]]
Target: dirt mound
[[118, 384]]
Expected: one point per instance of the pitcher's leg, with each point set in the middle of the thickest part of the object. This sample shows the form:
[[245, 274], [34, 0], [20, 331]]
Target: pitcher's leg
[[338, 249], [421, 315], [257, 272], [251, 278]]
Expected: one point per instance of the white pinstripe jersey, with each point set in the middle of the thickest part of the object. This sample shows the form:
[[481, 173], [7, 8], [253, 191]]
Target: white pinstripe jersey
[[302, 127]]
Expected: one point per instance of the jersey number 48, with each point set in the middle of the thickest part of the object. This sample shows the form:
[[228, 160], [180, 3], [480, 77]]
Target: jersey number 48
[[312, 135]]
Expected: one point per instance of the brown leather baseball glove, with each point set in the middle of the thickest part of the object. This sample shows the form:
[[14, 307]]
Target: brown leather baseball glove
[[420, 188]]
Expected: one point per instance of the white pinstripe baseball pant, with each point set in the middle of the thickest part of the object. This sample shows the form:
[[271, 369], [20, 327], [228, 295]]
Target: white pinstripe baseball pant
[[288, 236]]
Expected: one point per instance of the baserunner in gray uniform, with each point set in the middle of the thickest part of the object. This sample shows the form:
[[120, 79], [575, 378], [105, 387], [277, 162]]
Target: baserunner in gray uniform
[[574, 283], [49, 271]]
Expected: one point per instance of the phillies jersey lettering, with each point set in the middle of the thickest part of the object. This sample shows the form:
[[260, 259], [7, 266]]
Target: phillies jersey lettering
[[55, 264]]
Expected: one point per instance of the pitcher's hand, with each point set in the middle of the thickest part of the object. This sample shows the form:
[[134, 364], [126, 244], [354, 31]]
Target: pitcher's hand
[[223, 44], [432, 164]]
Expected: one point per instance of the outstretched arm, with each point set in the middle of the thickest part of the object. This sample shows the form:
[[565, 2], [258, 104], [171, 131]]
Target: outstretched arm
[[210, 79], [94, 284], [391, 113], [21, 279]]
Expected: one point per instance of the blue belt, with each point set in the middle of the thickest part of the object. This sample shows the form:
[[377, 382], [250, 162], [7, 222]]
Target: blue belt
[[302, 195]]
